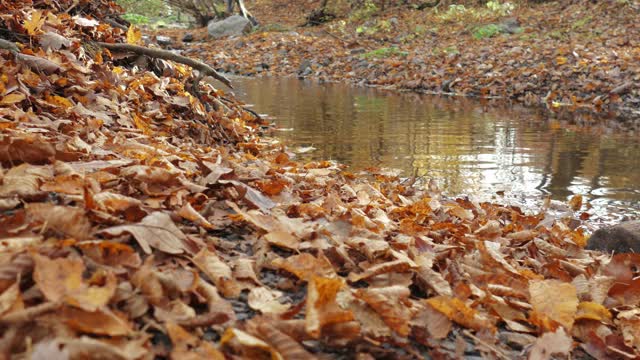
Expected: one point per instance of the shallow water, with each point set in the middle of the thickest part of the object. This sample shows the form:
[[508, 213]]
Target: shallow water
[[465, 146]]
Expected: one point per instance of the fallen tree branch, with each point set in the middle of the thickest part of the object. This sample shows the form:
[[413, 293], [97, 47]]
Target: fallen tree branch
[[203, 68]]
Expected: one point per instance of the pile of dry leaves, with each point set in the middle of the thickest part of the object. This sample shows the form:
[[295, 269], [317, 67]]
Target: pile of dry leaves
[[141, 220]]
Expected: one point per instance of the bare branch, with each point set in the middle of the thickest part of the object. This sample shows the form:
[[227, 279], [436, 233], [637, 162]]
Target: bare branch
[[203, 68]]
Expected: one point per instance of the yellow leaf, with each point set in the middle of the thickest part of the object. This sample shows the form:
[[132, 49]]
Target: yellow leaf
[[59, 101], [34, 24], [561, 60], [12, 98], [593, 311], [133, 35], [456, 310], [141, 124]]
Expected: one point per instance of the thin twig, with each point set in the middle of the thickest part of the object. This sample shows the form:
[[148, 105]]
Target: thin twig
[[205, 69], [495, 350], [28, 314], [115, 24]]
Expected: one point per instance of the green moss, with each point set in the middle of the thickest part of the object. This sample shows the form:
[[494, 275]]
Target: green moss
[[384, 52], [136, 19], [486, 31], [580, 23], [275, 27]]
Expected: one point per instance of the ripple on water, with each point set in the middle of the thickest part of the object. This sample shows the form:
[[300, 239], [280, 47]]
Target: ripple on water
[[467, 147]]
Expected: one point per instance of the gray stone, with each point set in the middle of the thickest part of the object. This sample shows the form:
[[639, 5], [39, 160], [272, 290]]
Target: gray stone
[[304, 68], [621, 238], [164, 40], [188, 37], [510, 26], [233, 25]]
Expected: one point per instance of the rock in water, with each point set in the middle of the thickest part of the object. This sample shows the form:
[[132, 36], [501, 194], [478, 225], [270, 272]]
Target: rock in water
[[188, 37], [621, 238], [233, 25], [164, 40]]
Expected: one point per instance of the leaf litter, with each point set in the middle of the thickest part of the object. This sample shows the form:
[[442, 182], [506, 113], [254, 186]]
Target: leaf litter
[[135, 227]]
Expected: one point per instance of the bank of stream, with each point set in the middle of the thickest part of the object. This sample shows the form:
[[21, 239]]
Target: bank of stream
[[489, 152]]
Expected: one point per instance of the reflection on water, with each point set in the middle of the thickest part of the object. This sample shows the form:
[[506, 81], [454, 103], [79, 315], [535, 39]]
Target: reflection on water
[[466, 147]]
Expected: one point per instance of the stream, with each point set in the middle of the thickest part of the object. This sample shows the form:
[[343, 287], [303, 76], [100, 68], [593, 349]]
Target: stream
[[506, 154]]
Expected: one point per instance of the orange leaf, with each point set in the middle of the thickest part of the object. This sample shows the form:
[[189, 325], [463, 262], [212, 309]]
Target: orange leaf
[[305, 266], [322, 308], [456, 310], [59, 101]]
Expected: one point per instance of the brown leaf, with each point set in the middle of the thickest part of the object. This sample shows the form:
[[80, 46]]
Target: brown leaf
[[156, 230], [282, 239], [24, 180], [99, 322], [266, 301], [391, 304], [437, 324], [39, 64], [322, 308], [53, 41], [10, 298], [187, 346], [31, 149], [550, 343], [189, 213], [218, 272], [253, 196], [62, 280], [554, 303], [70, 221], [456, 310], [12, 98], [305, 266], [248, 345], [283, 343]]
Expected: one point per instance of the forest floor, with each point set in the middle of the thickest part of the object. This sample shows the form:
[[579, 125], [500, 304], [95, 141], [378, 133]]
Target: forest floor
[[144, 214], [578, 59]]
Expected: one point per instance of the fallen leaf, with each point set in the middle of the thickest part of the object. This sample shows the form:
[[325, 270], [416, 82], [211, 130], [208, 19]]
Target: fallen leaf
[[70, 221], [554, 303], [305, 266], [12, 98], [266, 301], [99, 322], [218, 272], [322, 309], [456, 310], [189, 213], [156, 230], [134, 35], [62, 280], [550, 343], [282, 239], [53, 41]]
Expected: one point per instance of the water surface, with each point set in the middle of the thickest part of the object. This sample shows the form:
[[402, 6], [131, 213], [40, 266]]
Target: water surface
[[465, 146]]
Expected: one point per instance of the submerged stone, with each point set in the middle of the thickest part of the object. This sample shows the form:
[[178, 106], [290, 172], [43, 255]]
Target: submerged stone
[[620, 238]]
